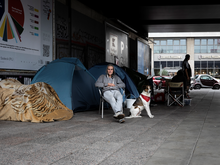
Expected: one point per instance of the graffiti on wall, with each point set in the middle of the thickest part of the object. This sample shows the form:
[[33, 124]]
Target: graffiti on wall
[[83, 36], [61, 27], [87, 36]]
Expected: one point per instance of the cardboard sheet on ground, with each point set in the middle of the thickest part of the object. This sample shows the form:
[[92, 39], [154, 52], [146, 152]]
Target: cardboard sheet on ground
[[37, 102]]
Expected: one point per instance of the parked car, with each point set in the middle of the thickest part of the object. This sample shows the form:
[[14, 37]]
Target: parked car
[[158, 80], [204, 81]]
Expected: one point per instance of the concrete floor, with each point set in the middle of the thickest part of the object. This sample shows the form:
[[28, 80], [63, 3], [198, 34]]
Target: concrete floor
[[175, 136]]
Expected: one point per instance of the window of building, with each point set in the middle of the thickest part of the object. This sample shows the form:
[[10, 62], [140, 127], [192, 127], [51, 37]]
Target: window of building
[[211, 49], [182, 42], [203, 64], [197, 64], [197, 49], [207, 45], [156, 71], [163, 49], [157, 42], [164, 64], [217, 64], [176, 42], [176, 49], [176, 63], [203, 71], [169, 49], [163, 42], [217, 72], [197, 71], [210, 41], [203, 41], [211, 72], [181, 63], [167, 64], [210, 64], [170, 46], [156, 49], [217, 67], [183, 49], [203, 49], [169, 42], [207, 67], [156, 64], [197, 41]]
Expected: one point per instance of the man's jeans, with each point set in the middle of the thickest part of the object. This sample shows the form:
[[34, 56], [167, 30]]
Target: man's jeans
[[115, 99]]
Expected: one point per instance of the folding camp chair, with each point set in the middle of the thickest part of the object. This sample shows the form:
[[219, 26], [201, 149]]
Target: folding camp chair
[[175, 93], [102, 100]]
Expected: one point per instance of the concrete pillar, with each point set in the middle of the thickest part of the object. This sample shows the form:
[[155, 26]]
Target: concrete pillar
[[151, 44]]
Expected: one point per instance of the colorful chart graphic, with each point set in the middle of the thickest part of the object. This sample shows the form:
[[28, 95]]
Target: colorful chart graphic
[[12, 19]]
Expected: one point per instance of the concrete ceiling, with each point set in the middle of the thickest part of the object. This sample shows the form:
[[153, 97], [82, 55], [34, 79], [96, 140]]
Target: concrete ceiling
[[154, 17]]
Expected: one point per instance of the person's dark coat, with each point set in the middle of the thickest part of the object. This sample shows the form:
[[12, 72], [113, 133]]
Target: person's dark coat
[[179, 78]]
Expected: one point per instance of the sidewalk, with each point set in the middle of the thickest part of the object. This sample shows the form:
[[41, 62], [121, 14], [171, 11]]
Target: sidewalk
[[175, 136]]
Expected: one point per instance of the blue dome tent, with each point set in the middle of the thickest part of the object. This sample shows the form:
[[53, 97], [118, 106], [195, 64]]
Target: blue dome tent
[[72, 82], [100, 69]]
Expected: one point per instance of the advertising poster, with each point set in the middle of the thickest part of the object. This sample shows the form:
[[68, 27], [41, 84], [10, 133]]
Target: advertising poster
[[144, 58], [116, 46], [25, 34]]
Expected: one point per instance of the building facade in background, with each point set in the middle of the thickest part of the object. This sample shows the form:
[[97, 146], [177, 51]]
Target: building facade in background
[[169, 50]]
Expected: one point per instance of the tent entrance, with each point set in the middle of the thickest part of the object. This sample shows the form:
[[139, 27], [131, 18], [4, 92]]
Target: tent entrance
[[83, 90]]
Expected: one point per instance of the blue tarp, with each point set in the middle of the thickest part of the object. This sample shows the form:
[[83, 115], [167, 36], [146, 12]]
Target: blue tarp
[[72, 82], [100, 69]]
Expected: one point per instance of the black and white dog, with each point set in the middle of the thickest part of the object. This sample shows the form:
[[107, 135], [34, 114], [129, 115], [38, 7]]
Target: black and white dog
[[141, 103]]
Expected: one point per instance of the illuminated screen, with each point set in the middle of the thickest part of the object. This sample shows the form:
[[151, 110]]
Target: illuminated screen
[[144, 58], [25, 34]]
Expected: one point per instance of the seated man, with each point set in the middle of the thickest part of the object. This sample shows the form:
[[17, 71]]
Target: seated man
[[110, 84]]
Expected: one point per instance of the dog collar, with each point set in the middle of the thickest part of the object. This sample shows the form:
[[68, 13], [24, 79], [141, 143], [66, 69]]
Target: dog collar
[[146, 98]]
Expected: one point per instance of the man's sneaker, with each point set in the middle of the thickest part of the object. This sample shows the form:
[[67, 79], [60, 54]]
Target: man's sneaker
[[119, 115]]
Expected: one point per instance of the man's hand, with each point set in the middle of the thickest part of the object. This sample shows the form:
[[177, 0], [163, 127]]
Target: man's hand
[[111, 85]]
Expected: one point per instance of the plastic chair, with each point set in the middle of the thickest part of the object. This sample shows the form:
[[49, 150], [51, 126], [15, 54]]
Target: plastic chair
[[102, 100], [175, 93]]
